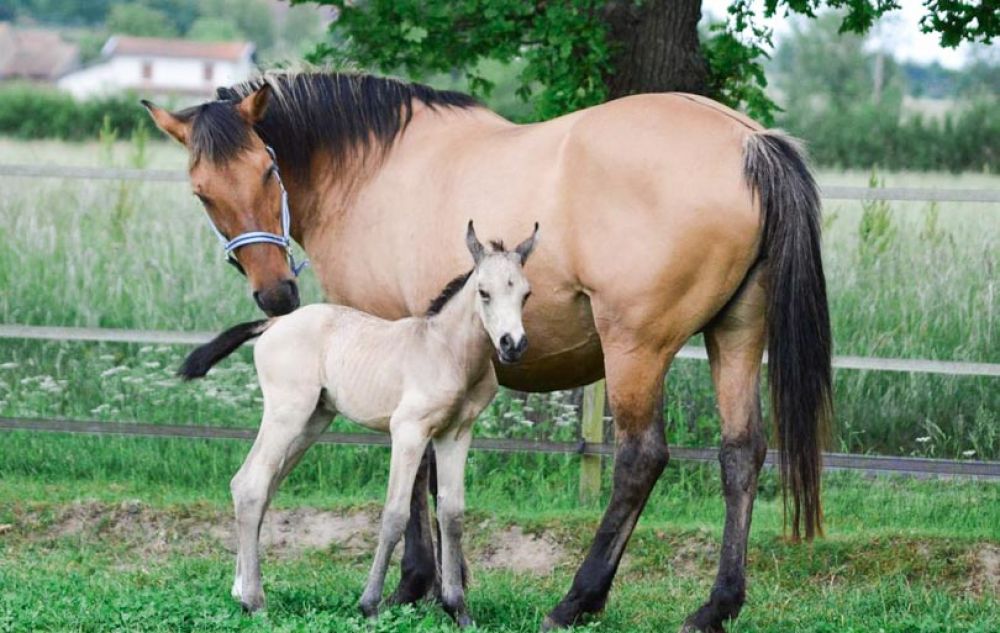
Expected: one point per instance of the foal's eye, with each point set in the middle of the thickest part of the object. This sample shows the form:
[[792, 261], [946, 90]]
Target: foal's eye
[[485, 296], [526, 295]]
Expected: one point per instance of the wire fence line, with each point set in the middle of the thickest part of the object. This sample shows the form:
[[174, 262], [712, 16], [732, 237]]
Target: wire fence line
[[165, 337], [829, 192], [868, 464]]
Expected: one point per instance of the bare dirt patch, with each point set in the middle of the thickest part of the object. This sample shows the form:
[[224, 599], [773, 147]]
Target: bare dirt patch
[[986, 570], [511, 548], [152, 532], [155, 531]]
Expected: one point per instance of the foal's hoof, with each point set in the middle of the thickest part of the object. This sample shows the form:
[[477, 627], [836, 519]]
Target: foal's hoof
[[463, 620], [253, 607], [548, 624], [369, 610]]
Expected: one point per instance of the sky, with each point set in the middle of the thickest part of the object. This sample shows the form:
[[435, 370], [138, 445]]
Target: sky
[[898, 31]]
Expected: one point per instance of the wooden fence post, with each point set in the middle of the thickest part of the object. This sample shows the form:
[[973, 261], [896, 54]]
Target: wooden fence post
[[592, 432]]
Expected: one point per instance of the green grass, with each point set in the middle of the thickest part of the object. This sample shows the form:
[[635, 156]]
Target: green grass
[[909, 280], [899, 556]]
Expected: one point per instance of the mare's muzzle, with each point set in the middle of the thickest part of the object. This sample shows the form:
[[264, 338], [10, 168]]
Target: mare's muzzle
[[510, 350], [279, 299]]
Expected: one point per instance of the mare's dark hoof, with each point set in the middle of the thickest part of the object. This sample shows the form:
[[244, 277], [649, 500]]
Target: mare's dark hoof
[[691, 627]]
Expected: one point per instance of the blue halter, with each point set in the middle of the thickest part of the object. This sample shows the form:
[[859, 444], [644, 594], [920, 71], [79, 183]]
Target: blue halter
[[263, 237]]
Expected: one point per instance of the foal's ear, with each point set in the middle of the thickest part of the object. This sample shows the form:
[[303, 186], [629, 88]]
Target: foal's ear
[[253, 106], [168, 122], [524, 248], [475, 246]]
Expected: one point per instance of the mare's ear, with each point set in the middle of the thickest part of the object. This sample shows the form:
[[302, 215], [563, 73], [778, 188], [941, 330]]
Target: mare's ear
[[524, 248], [253, 106], [168, 122], [475, 246]]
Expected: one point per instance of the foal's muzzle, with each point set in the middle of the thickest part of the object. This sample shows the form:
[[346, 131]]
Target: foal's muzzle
[[510, 350], [279, 299]]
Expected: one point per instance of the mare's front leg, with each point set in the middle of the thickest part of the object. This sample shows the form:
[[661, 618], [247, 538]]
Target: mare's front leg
[[634, 369], [286, 431], [452, 451], [409, 439]]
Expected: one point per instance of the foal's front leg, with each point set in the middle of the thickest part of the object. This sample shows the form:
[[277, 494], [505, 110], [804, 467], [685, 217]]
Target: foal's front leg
[[409, 439], [452, 452]]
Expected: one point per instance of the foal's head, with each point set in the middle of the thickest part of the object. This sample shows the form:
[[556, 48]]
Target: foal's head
[[501, 292], [236, 179]]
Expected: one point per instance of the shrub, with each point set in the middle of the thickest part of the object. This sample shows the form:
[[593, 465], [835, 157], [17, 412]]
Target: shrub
[[28, 111], [868, 135]]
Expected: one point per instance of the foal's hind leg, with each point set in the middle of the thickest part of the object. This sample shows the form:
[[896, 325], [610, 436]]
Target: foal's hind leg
[[634, 369], [735, 343], [286, 431]]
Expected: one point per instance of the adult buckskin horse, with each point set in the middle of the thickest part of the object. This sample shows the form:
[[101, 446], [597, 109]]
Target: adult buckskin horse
[[665, 215]]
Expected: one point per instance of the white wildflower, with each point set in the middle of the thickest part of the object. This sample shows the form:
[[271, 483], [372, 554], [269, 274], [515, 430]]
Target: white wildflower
[[117, 369], [10, 365], [924, 439], [968, 453]]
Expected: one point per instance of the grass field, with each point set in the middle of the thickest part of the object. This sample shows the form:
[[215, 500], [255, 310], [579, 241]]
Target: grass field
[[907, 280], [130, 533]]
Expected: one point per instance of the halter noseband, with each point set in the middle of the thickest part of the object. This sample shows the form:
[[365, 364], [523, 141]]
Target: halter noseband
[[263, 237]]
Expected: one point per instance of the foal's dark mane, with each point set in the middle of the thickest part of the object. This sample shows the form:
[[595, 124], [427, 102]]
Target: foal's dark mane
[[342, 113], [452, 289]]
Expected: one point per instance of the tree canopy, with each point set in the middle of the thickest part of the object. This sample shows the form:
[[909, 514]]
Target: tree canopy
[[571, 51]]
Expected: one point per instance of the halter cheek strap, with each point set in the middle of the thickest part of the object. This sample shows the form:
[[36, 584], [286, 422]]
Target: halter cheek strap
[[263, 237]]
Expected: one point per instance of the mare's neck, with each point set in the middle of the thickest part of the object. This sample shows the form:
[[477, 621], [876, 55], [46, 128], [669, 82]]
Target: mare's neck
[[459, 325], [330, 186]]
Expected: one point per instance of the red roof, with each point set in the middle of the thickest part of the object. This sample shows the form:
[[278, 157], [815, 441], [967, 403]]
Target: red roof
[[34, 54], [162, 47]]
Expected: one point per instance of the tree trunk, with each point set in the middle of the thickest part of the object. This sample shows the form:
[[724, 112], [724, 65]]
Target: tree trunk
[[656, 47]]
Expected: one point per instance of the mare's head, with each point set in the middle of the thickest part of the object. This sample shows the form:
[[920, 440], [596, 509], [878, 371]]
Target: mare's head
[[501, 292], [235, 177]]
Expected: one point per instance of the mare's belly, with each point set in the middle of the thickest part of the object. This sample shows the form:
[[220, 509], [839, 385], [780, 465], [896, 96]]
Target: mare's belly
[[564, 350]]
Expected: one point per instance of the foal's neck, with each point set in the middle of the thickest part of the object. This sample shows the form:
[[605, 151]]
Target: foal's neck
[[459, 325]]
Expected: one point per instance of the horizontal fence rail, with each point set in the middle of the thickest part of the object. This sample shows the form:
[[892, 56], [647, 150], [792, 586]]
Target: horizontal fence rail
[[830, 192], [165, 337], [869, 464]]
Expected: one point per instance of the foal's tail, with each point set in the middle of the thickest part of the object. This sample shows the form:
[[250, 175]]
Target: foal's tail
[[798, 319], [198, 362]]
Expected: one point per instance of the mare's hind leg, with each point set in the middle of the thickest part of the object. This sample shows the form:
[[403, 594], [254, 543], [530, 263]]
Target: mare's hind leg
[[634, 370], [286, 431], [735, 342]]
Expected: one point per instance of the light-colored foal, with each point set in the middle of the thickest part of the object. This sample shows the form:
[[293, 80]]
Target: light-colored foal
[[420, 379]]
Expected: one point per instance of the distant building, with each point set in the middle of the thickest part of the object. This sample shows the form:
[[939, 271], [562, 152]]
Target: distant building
[[156, 66], [35, 54]]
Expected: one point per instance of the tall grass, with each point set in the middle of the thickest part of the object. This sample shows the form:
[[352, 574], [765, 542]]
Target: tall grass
[[909, 280]]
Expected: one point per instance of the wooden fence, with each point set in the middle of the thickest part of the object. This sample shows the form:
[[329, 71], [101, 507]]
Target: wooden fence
[[591, 448]]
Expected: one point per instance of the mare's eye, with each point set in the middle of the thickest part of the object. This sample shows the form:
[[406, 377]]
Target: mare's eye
[[484, 295]]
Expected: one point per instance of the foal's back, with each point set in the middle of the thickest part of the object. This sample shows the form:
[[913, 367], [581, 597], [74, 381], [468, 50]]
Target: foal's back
[[353, 363]]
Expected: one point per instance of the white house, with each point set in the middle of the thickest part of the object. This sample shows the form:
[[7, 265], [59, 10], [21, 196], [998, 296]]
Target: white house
[[156, 66]]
